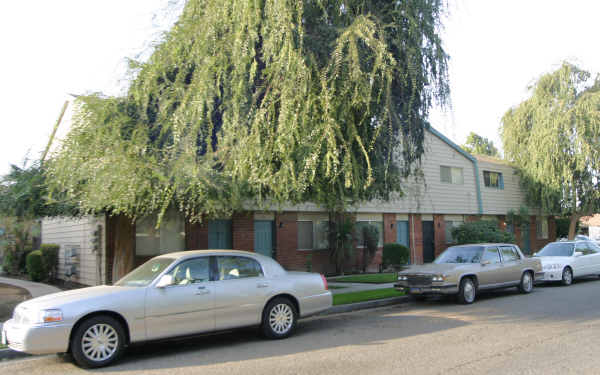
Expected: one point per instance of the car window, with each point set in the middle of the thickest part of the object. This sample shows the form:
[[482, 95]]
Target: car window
[[594, 247], [144, 274], [585, 248], [191, 271], [491, 254], [460, 254], [232, 267], [508, 254], [557, 249]]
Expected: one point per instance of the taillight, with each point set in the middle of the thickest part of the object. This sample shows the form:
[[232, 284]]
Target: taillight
[[325, 282]]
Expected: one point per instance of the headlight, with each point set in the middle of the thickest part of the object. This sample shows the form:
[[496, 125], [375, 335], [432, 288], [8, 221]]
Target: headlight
[[30, 316], [402, 278], [438, 278]]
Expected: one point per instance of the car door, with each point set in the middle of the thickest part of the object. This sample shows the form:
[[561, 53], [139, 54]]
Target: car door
[[512, 263], [241, 291], [490, 267], [582, 264], [184, 307], [595, 257]]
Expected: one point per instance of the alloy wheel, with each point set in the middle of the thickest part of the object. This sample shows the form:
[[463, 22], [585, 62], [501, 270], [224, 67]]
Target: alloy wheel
[[281, 318], [99, 342]]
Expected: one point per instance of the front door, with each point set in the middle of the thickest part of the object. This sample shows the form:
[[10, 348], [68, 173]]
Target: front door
[[263, 237], [184, 307], [525, 239], [428, 242]]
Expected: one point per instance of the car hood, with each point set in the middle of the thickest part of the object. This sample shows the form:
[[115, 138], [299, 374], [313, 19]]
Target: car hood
[[554, 260], [79, 296], [433, 268]]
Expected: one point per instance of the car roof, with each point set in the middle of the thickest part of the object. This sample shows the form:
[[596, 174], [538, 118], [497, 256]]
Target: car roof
[[190, 253], [486, 244]]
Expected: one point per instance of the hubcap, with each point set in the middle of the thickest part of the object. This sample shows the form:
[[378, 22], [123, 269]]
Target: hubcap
[[281, 318], [568, 276], [99, 342], [469, 291], [527, 282]]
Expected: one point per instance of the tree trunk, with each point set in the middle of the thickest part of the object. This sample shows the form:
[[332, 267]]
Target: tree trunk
[[573, 225]]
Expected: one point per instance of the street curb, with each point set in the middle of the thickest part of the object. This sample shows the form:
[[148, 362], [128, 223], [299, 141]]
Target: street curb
[[7, 354], [366, 305]]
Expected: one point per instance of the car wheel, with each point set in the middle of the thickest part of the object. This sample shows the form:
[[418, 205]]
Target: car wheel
[[279, 318], [567, 276], [97, 342], [526, 285], [419, 297], [467, 291]]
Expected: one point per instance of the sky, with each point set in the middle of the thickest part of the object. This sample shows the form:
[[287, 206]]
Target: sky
[[55, 48]]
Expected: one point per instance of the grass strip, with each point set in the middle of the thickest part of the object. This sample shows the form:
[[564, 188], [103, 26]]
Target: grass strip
[[371, 278], [365, 295]]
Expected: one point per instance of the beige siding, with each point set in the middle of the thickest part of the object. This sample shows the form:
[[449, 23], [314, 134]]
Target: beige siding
[[500, 201], [79, 233]]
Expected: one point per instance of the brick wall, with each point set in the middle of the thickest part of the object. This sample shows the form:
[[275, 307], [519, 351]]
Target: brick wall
[[242, 229], [439, 230], [196, 236], [416, 240]]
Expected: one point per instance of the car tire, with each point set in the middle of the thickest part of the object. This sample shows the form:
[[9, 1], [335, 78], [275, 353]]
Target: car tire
[[526, 284], [419, 297], [279, 318], [567, 276], [97, 342], [467, 291]]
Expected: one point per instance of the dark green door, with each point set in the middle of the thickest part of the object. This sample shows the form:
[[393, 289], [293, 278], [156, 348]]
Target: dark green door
[[525, 239], [263, 237], [428, 242]]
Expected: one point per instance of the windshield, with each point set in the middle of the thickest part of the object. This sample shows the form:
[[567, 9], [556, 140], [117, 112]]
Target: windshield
[[556, 249], [460, 254], [144, 274]]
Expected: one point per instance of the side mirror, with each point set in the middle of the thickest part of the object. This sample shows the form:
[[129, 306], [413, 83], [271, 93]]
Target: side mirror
[[485, 262], [578, 253], [165, 281]]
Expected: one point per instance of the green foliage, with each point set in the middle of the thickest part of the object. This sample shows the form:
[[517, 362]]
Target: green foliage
[[365, 295], [395, 254], [262, 102], [562, 227], [370, 235], [50, 259], [35, 266], [16, 241], [518, 218], [341, 240], [479, 145], [481, 232], [552, 137]]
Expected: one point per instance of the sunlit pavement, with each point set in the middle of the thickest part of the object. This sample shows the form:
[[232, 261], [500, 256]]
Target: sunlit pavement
[[554, 330]]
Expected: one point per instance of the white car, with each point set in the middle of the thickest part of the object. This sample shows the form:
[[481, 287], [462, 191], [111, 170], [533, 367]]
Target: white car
[[176, 294], [565, 260]]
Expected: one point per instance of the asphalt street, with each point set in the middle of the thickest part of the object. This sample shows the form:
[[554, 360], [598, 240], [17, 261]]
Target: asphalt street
[[554, 330]]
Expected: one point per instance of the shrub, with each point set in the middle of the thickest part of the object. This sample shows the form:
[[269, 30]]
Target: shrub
[[370, 235], [9, 263], [394, 254], [35, 265], [480, 232], [50, 259]]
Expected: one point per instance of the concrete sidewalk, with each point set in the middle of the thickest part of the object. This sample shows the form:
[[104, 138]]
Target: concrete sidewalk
[[35, 289]]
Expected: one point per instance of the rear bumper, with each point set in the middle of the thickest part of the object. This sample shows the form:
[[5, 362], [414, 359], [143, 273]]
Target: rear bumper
[[433, 289], [315, 304], [36, 339]]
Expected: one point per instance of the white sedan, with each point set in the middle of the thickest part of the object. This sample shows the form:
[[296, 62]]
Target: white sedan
[[171, 295], [565, 260]]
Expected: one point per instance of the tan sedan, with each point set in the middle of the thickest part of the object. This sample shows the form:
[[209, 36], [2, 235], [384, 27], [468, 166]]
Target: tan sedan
[[175, 294], [466, 269]]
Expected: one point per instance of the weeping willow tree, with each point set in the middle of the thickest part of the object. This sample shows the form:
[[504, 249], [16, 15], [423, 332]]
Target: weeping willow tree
[[259, 103], [553, 138]]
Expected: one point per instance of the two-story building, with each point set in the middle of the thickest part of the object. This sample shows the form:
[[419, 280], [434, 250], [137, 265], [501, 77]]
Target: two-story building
[[454, 187]]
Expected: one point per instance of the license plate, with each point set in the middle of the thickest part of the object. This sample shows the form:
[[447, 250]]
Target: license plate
[[415, 290]]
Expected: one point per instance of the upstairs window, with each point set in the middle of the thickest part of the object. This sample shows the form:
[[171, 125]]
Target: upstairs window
[[451, 175], [493, 180]]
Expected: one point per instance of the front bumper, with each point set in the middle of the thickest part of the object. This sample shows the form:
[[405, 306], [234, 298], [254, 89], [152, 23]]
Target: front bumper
[[433, 289], [551, 275], [36, 339]]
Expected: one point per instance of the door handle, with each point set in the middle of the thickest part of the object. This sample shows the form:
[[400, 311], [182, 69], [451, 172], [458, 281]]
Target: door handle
[[262, 285], [202, 290]]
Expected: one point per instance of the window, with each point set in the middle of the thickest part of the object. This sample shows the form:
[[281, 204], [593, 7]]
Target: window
[[451, 175], [450, 224], [542, 227], [191, 271], [586, 248], [170, 237], [491, 255], [359, 232], [219, 234], [312, 235], [493, 180], [508, 254], [231, 268]]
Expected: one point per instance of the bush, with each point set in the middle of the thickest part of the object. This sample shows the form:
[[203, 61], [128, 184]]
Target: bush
[[50, 259], [35, 265], [480, 232], [9, 263], [395, 254]]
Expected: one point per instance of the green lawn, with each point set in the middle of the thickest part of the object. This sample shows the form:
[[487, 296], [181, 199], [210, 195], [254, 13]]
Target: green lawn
[[371, 278], [3, 346], [336, 287], [365, 295]]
